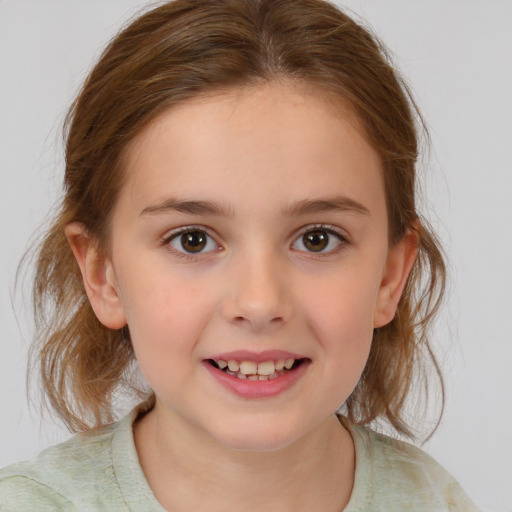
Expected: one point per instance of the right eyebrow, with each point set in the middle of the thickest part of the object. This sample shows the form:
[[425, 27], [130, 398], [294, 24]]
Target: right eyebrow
[[189, 207]]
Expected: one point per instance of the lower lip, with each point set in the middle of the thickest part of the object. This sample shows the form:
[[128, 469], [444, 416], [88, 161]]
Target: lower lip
[[257, 388]]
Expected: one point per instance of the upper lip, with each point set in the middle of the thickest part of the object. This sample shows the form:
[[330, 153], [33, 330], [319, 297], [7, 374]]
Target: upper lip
[[257, 357]]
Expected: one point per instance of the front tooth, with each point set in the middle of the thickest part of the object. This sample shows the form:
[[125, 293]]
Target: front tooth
[[222, 364], [279, 364], [248, 367], [252, 377], [289, 363], [266, 368], [241, 376], [233, 365]]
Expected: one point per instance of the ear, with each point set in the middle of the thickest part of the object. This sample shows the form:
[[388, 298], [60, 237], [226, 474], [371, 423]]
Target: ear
[[399, 263], [98, 275]]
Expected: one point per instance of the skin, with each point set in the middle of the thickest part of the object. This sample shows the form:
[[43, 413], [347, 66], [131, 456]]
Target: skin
[[260, 153]]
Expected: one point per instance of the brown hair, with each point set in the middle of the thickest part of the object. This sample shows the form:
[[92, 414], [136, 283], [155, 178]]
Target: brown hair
[[180, 50]]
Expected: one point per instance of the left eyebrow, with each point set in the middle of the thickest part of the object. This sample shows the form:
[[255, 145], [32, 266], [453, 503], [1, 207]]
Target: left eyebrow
[[189, 207], [321, 205]]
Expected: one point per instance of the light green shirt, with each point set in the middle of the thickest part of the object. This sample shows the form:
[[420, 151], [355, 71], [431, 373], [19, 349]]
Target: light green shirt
[[101, 472]]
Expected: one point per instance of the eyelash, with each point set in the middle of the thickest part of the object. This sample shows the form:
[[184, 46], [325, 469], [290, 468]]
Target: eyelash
[[329, 229], [166, 241]]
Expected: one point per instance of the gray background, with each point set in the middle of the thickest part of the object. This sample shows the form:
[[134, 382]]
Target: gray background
[[458, 57]]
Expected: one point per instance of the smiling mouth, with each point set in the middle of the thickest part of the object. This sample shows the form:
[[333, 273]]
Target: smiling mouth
[[250, 370]]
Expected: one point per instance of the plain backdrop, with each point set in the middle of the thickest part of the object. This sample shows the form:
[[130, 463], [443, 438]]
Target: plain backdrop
[[458, 57]]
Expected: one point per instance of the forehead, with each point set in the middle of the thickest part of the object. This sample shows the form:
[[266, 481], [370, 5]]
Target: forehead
[[266, 138]]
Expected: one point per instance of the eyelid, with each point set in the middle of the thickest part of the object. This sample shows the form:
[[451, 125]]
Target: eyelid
[[340, 234], [175, 233], [335, 231]]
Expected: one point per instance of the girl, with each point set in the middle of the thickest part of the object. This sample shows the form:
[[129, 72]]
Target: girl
[[239, 224]]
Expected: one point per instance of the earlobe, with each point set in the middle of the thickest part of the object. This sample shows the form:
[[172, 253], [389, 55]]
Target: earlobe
[[98, 276], [399, 264]]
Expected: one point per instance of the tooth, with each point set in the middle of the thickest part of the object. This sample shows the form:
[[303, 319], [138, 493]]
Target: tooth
[[262, 377], [222, 364], [241, 376], [252, 377], [279, 364], [233, 365], [266, 368], [273, 376], [289, 363], [248, 367]]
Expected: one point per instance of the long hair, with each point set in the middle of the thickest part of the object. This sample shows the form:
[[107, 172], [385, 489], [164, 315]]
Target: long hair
[[178, 51]]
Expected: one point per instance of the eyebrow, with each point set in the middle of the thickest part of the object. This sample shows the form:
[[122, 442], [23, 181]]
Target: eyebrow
[[336, 203], [191, 207]]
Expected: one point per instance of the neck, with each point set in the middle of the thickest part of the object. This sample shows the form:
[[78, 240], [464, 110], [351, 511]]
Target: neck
[[189, 471]]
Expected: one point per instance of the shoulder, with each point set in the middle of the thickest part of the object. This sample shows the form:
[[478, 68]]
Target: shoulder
[[69, 476], [399, 476], [22, 493]]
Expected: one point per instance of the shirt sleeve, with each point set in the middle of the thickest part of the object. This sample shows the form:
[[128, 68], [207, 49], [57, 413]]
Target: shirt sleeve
[[19, 493]]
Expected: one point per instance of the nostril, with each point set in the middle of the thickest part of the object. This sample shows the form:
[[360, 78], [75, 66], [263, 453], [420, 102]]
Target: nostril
[[239, 320], [247, 320]]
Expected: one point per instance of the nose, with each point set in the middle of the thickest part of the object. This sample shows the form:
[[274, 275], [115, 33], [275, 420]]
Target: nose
[[258, 293]]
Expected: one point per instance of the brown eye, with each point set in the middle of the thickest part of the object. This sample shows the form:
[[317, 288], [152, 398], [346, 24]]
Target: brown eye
[[192, 241], [316, 241], [319, 240]]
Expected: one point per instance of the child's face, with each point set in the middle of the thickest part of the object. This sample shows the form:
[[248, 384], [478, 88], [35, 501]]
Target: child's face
[[252, 227]]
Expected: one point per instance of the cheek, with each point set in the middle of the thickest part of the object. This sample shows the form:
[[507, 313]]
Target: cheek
[[157, 296], [344, 305], [341, 320], [165, 317]]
